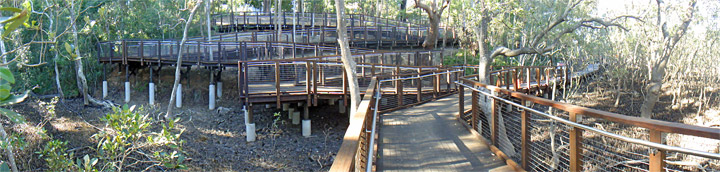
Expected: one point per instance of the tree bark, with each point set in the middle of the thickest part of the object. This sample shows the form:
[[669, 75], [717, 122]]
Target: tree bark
[[434, 15], [178, 64], [80, 75], [657, 69], [348, 62]]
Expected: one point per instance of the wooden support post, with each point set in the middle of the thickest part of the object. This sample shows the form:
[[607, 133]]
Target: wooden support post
[[461, 103], [419, 86], [575, 145], [657, 156], [493, 122], [399, 88], [436, 85], [345, 88], [315, 83], [507, 80], [515, 80], [277, 82], [474, 107], [525, 137], [308, 81]]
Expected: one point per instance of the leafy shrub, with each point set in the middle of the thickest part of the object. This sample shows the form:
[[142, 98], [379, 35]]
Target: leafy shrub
[[55, 154], [128, 134]]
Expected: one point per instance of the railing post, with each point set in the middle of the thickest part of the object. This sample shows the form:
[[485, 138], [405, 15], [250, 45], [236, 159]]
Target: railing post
[[657, 156], [575, 145], [524, 137], [474, 112], [277, 82], [315, 83], [493, 121], [419, 86], [461, 103]]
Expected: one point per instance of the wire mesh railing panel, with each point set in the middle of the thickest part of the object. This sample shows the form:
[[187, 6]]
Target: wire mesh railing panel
[[261, 73], [548, 144], [602, 153], [509, 129], [676, 161]]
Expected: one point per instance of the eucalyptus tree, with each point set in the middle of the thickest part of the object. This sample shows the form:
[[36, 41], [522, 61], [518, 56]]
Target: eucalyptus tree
[[348, 63], [434, 12], [193, 7]]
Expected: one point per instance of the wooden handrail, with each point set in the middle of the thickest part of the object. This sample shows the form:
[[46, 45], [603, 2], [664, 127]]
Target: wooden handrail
[[653, 124], [345, 159]]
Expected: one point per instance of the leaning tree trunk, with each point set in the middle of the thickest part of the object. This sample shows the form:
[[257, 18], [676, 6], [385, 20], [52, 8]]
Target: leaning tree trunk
[[173, 94], [348, 62]]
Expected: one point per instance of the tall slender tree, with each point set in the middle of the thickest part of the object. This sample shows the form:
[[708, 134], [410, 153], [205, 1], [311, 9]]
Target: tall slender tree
[[434, 15], [348, 63]]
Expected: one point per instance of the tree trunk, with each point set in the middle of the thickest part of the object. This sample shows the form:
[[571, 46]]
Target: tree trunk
[[178, 64], [80, 75], [432, 35], [266, 5], [348, 62]]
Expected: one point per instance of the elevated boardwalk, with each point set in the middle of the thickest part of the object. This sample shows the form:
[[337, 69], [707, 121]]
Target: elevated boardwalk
[[429, 137]]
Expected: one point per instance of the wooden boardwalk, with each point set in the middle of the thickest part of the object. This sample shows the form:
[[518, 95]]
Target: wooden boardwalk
[[429, 137]]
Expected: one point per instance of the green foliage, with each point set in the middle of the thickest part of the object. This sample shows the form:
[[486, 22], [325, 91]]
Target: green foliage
[[55, 154], [129, 131]]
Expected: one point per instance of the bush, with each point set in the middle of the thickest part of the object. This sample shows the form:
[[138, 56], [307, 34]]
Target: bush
[[56, 156], [128, 134]]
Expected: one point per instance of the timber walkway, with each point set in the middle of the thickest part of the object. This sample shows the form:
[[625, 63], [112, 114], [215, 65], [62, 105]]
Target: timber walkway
[[417, 114]]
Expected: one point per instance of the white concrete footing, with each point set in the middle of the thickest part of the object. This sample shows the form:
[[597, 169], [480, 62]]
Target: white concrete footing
[[250, 130], [296, 118], [267, 106], [341, 106], [178, 97], [219, 90], [331, 102], [105, 89], [211, 96], [290, 112], [306, 128], [285, 106], [127, 92], [151, 93]]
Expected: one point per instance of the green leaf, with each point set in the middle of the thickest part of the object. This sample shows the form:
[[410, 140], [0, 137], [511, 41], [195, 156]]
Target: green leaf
[[68, 48], [14, 99], [4, 167], [11, 9], [4, 94], [13, 116], [16, 22], [7, 75]]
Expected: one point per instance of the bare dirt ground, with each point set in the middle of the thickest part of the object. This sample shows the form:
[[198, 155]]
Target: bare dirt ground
[[215, 139]]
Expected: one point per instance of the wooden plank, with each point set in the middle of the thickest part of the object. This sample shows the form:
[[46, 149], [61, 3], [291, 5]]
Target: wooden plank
[[475, 111], [461, 102]]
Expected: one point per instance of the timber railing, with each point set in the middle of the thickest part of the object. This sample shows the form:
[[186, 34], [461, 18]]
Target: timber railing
[[358, 149], [309, 78], [312, 19], [538, 134]]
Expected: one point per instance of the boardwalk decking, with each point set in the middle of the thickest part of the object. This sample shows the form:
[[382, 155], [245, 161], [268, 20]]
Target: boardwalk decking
[[429, 138]]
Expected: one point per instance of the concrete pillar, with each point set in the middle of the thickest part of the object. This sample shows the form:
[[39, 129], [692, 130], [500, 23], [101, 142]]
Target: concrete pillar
[[211, 96], [267, 106], [306, 128], [341, 106], [285, 106], [151, 90], [127, 91], [331, 102], [296, 118], [249, 127], [105, 89], [290, 112], [178, 98], [219, 89], [250, 130]]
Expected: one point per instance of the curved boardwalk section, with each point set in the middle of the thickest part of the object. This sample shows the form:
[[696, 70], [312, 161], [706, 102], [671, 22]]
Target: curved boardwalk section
[[429, 138]]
